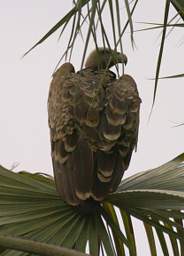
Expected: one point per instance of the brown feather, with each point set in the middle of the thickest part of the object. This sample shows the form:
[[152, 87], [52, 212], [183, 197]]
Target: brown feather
[[105, 166]]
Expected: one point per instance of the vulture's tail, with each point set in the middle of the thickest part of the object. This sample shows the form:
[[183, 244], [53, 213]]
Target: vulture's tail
[[83, 176], [73, 177]]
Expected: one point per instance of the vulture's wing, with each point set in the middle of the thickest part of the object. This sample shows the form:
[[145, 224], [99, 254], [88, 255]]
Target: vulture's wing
[[62, 131], [94, 121], [118, 131]]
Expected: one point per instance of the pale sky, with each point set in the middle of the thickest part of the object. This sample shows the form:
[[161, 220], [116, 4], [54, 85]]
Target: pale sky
[[24, 85]]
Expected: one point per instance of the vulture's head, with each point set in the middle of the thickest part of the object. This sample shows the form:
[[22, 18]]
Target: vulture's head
[[103, 58]]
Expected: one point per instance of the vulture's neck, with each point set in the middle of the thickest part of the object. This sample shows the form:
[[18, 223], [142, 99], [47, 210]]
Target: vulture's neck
[[97, 70]]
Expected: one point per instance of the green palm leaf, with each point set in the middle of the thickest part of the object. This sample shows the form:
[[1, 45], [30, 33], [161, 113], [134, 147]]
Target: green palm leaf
[[173, 76], [30, 208], [26, 245], [179, 6], [154, 196], [63, 22], [151, 239], [95, 12]]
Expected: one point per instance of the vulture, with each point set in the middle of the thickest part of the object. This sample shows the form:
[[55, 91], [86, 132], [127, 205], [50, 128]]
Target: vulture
[[94, 119]]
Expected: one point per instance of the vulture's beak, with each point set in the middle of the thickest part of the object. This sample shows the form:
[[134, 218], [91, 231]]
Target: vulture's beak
[[124, 59]]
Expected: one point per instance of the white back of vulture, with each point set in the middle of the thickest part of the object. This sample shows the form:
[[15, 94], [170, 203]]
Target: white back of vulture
[[93, 120]]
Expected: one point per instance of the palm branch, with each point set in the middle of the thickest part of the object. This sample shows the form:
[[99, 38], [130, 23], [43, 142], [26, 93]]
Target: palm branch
[[31, 209], [86, 19]]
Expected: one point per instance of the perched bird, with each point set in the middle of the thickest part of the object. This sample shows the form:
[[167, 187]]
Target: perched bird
[[94, 121]]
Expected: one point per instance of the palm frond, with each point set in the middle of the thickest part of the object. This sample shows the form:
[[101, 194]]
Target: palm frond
[[118, 242], [158, 26], [94, 11], [63, 22], [172, 76], [44, 249], [151, 239], [30, 208], [127, 221], [167, 8], [130, 21], [164, 188], [179, 6]]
